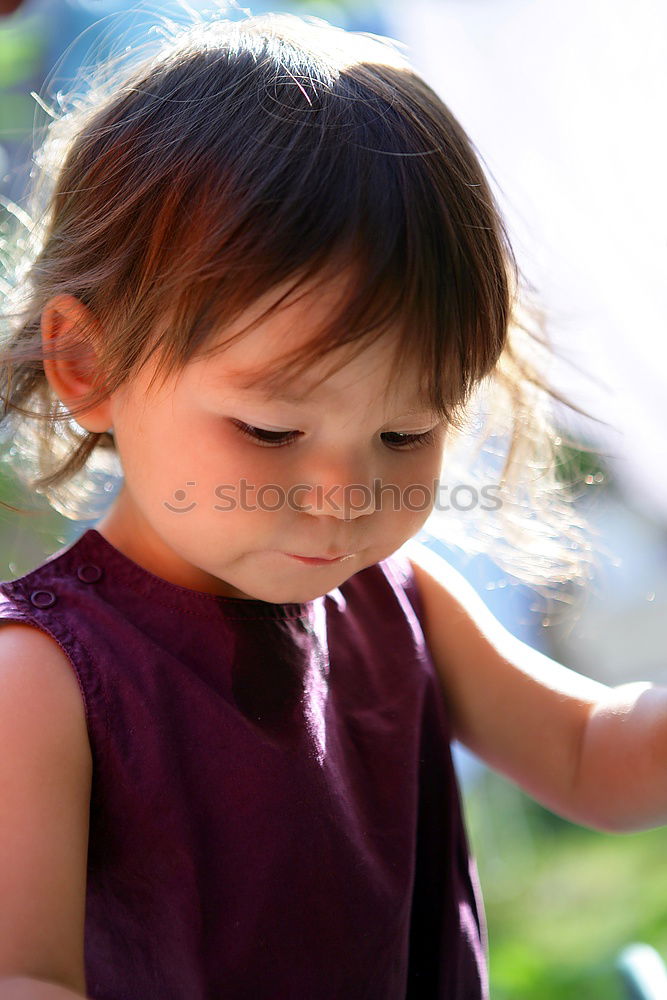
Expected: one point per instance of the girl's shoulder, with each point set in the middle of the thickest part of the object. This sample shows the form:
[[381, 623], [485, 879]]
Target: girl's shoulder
[[46, 776], [37, 672], [34, 665]]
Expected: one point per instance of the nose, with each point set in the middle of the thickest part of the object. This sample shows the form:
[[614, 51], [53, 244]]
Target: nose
[[342, 488]]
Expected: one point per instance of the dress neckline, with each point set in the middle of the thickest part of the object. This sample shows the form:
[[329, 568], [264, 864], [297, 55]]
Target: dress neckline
[[95, 547]]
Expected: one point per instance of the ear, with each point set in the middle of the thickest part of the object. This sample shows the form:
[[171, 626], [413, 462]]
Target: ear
[[64, 319]]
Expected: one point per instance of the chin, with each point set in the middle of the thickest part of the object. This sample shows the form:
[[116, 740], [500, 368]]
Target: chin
[[292, 595], [299, 592], [296, 584]]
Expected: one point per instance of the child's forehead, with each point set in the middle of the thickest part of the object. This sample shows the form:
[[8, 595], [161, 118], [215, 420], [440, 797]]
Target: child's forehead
[[360, 370], [300, 343], [280, 342]]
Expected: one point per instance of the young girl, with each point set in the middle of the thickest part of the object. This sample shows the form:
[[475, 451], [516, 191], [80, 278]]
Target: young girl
[[270, 277]]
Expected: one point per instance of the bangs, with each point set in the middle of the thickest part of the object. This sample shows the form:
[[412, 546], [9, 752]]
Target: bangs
[[280, 164]]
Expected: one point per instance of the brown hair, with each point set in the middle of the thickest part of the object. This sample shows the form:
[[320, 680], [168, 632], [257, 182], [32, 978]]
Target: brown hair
[[246, 154]]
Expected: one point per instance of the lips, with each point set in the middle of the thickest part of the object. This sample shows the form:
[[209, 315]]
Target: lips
[[320, 559], [328, 558]]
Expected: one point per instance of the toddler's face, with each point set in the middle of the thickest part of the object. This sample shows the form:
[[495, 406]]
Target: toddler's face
[[235, 492]]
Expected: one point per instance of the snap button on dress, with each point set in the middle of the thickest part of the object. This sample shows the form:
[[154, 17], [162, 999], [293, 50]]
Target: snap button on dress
[[43, 598], [89, 573]]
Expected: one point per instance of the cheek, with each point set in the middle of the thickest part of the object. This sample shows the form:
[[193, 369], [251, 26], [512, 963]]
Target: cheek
[[419, 467], [158, 452], [264, 464], [416, 479], [431, 467], [233, 466]]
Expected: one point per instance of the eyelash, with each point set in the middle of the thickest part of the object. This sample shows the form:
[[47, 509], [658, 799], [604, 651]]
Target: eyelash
[[278, 439]]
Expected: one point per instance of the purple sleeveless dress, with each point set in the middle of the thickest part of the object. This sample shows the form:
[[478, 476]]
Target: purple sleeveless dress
[[274, 813]]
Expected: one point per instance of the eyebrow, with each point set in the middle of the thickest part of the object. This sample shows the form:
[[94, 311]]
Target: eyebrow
[[281, 395], [297, 398]]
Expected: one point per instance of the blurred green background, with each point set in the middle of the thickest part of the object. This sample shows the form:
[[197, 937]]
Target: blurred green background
[[561, 901]]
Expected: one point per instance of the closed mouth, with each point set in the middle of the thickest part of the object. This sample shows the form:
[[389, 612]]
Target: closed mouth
[[320, 559]]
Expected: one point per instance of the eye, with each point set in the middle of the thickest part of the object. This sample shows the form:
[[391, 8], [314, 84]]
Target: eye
[[264, 437], [403, 441], [399, 441]]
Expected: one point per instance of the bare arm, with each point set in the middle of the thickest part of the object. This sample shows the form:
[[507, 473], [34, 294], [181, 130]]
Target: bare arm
[[23, 988], [594, 754], [622, 776], [45, 780]]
